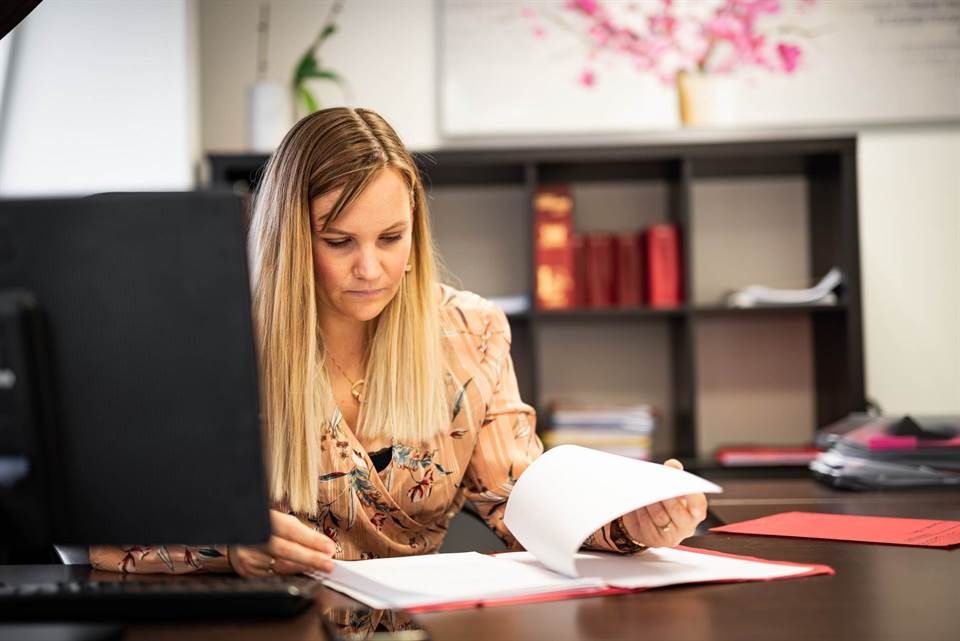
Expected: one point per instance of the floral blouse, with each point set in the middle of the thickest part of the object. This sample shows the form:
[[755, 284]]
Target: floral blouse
[[406, 508]]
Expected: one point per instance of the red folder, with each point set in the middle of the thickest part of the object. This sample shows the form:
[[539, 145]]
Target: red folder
[[815, 569], [844, 527]]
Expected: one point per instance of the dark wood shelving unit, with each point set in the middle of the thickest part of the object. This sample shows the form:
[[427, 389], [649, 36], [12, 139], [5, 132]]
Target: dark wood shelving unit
[[828, 168]]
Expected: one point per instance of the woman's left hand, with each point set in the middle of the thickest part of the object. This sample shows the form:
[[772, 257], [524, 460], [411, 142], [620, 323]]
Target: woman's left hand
[[667, 523]]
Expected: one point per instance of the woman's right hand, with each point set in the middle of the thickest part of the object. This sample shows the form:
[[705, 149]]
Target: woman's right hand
[[293, 548]]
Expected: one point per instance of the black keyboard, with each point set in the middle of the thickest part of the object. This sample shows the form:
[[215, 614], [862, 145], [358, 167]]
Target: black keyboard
[[146, 598]]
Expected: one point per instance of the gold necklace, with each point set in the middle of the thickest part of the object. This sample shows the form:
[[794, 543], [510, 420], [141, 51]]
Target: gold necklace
[[355, 387]]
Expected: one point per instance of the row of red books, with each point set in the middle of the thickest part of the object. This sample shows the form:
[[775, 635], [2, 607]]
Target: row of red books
[[627, 269]]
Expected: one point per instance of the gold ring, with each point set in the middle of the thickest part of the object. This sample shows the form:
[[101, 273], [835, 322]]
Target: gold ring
[[665, 528]]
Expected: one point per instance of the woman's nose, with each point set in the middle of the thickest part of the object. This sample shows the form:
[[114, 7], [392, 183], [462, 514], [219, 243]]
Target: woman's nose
[[367, 266]]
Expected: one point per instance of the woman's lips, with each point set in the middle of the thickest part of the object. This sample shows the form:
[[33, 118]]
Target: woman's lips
[[365, 293]]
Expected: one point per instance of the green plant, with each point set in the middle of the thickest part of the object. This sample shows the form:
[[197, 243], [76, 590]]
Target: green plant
[[309, 66]]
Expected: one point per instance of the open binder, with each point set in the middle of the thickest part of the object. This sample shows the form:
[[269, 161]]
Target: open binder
[[552, 513]]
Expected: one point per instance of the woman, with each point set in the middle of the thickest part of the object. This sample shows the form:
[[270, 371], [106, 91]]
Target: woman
[[389, 399]]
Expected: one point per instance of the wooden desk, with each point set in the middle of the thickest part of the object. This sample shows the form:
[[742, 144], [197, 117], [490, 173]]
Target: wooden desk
[[751, 499], [879, 593]]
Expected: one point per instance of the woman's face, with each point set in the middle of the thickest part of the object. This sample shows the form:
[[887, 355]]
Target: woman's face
[[360, 260]]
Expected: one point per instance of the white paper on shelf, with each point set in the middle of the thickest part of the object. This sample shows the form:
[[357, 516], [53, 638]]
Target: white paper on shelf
[[761, 295], [571, 491]]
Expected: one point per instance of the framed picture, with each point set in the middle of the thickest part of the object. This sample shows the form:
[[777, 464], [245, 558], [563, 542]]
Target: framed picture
[[603, 67]]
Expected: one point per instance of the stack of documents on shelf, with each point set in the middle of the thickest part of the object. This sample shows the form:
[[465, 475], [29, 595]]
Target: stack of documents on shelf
[[626, 430], [552, 511], [884, 451], [760, 296]]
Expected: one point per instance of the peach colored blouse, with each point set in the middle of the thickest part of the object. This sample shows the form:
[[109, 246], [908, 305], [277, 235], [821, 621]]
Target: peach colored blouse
[[406, 508]]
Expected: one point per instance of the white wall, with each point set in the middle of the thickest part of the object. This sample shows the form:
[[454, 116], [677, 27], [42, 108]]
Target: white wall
[[909, 183], [385, 49], [99, 99]]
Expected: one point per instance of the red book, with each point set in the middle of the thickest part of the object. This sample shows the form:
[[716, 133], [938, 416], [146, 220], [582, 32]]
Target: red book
[[662, 246], [600, 267], [629, 272], [579, 271], [553, 247]]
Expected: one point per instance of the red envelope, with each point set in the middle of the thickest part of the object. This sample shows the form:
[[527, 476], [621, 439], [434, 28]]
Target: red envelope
[[843, 527]]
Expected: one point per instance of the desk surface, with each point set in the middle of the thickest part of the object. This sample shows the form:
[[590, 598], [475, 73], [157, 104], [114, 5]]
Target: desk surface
[[879, 592]]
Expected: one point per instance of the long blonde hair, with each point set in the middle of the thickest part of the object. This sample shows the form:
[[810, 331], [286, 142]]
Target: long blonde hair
[[405, 392]]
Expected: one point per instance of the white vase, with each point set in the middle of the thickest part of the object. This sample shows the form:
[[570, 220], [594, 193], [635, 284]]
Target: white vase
[[268, 115], [707, 100]]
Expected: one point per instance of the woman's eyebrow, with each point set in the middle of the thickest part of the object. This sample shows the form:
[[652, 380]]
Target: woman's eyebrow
[[394, 226]]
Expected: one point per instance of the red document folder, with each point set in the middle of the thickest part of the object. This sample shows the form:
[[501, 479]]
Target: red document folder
[[844, 527], [815, 569]]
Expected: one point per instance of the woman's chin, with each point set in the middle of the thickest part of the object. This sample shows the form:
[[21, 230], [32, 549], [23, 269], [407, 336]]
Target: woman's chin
[[364, 311]]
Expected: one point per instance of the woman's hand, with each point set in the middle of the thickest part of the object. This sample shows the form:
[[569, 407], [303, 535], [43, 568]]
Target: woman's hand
[[293, 548], [666, 523]]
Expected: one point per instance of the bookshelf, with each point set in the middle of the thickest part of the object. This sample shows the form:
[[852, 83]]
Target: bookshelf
[[777, 212]]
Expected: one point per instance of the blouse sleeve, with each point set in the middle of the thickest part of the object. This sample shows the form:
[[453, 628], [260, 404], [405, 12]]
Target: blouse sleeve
[[160, 559], [507, 442], [506, 446]]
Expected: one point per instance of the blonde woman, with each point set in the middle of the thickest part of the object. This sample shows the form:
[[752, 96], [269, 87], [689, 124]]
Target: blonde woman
[[389, 399]]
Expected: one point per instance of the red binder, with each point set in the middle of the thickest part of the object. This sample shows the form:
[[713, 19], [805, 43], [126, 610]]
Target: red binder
[[815, 569], [553, 251], [600, 265], [662, 245], [579, 271], [629, 271]]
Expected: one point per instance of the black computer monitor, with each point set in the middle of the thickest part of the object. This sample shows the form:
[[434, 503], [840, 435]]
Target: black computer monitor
[[128, 387]]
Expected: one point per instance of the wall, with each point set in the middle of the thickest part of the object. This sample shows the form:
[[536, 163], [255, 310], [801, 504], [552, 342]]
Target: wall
[[384, 49], [909, 185], [99, 99]]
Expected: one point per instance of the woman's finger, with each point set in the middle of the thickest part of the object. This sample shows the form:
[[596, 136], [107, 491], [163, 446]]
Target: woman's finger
[[250, 562], [674, 463], [289, 527], [652, 534], [697, 505], [659, 515], [682, 519], [291, 551], [286, 568]]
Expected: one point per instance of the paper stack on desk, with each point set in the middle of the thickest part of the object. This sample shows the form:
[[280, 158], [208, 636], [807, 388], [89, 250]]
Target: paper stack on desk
[[551, 512]]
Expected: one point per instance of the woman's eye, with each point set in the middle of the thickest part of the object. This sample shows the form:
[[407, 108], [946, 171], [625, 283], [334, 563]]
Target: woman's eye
[[392, 239], [336, 243]]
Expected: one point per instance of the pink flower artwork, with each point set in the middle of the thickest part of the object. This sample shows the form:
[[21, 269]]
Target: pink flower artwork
[[707, 36]]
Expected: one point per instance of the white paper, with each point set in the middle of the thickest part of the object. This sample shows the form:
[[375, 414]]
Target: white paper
[[407, 582], [659, 567], [571, 491]]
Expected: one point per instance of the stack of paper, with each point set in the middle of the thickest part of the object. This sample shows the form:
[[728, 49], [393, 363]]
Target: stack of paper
[[552, 512], [759, 295], [621, 429]]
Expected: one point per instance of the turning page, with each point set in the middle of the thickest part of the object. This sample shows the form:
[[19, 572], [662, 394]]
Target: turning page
[[571, 491]]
